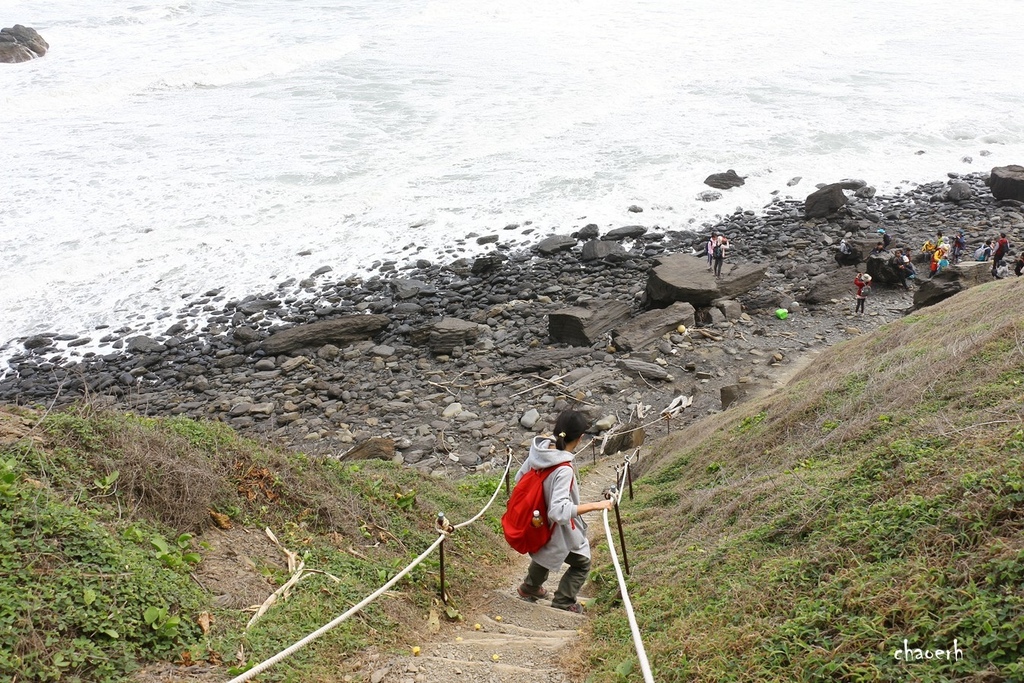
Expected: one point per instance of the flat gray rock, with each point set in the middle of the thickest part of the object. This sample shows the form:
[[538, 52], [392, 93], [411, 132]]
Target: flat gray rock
[[681, 277], [339, 331], [952, 280], [555, 243], [584, 325], [648, 327]]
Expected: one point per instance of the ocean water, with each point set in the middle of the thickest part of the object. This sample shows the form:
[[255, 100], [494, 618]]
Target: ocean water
[[167, 148]]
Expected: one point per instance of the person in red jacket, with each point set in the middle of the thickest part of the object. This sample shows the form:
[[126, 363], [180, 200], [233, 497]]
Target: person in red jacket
[[863, 284], [1002, 246]]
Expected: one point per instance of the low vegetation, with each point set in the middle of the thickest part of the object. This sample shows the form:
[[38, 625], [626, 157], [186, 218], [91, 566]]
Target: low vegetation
[[110, 559], [878, 499], [872, 508]]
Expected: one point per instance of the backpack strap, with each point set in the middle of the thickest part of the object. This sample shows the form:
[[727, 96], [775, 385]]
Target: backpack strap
[[546, 472]]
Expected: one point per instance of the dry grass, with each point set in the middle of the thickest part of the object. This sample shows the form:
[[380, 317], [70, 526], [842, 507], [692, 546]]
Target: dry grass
[[141, 482], [743, 518]]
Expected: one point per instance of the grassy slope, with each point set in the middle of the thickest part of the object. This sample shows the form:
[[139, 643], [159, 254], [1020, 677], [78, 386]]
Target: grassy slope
[[94, 581], [880, 496]]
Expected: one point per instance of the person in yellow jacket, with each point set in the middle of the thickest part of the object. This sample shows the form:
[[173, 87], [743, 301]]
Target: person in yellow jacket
[[939, 260]]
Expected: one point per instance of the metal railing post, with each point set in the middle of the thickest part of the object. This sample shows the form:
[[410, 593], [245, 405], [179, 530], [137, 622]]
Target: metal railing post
[[622, 538], [443, 527], [508, 456]]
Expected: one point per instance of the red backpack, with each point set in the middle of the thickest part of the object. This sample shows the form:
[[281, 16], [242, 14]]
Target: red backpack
[[517, 522]]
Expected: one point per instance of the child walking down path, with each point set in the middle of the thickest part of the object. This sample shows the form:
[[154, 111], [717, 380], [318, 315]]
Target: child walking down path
[[568, 542]]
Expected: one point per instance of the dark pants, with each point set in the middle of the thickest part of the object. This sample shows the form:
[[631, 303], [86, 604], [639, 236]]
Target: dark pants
[[996, 263], [571, 583], [860, 304], [718, 266]]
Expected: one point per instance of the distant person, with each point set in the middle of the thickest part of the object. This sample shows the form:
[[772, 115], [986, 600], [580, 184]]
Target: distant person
[[1002, 246], [863, 284], [718, 254], [929, 247], [940, 258], [845, 255], [937, 255], [984, 252], [1018, 266], [710, 248], [959, 246], [903, 267], [879, 249], [885, 237], [568, 544]]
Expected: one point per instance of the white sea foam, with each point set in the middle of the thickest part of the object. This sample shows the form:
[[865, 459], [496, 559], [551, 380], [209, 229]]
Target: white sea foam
[[169, 148]]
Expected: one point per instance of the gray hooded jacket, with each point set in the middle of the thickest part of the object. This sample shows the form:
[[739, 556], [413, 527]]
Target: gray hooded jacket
[[562, 493]]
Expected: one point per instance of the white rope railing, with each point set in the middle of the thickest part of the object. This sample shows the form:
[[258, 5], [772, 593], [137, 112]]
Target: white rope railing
[[442, 534], [641, 652], [497, 490]]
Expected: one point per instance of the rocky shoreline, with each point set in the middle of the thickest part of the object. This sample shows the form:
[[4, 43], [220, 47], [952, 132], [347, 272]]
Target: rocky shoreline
[[440, 366]]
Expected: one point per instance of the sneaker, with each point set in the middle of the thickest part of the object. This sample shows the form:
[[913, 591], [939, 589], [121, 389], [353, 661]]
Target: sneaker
[[575, 608], [531, 593]]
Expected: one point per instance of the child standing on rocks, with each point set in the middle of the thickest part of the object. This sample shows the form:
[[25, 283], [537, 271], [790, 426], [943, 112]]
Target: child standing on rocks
[[568, 542], [863, 284]]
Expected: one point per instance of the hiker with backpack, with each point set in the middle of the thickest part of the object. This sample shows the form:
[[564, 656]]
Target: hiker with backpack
[[557, 515], [984, 252], [718, 254], [863, 284]]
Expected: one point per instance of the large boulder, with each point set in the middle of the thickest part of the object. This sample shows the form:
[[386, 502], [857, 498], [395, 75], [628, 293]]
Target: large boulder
[[488, 262], [602, 249], [554, 244], [825, 201], [724, 181], [448, 333], [881, 268], [952, 280], [681, 277], [630, 435], [585, 324], [336, 331], [835, 285], [626, 232], [374, 448], [542, 360], [645, 329], [958, 192], [860, 248], [20, 44], [1007, 182]]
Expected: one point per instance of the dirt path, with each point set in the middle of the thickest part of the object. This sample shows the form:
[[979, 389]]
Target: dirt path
[[517, 641]]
